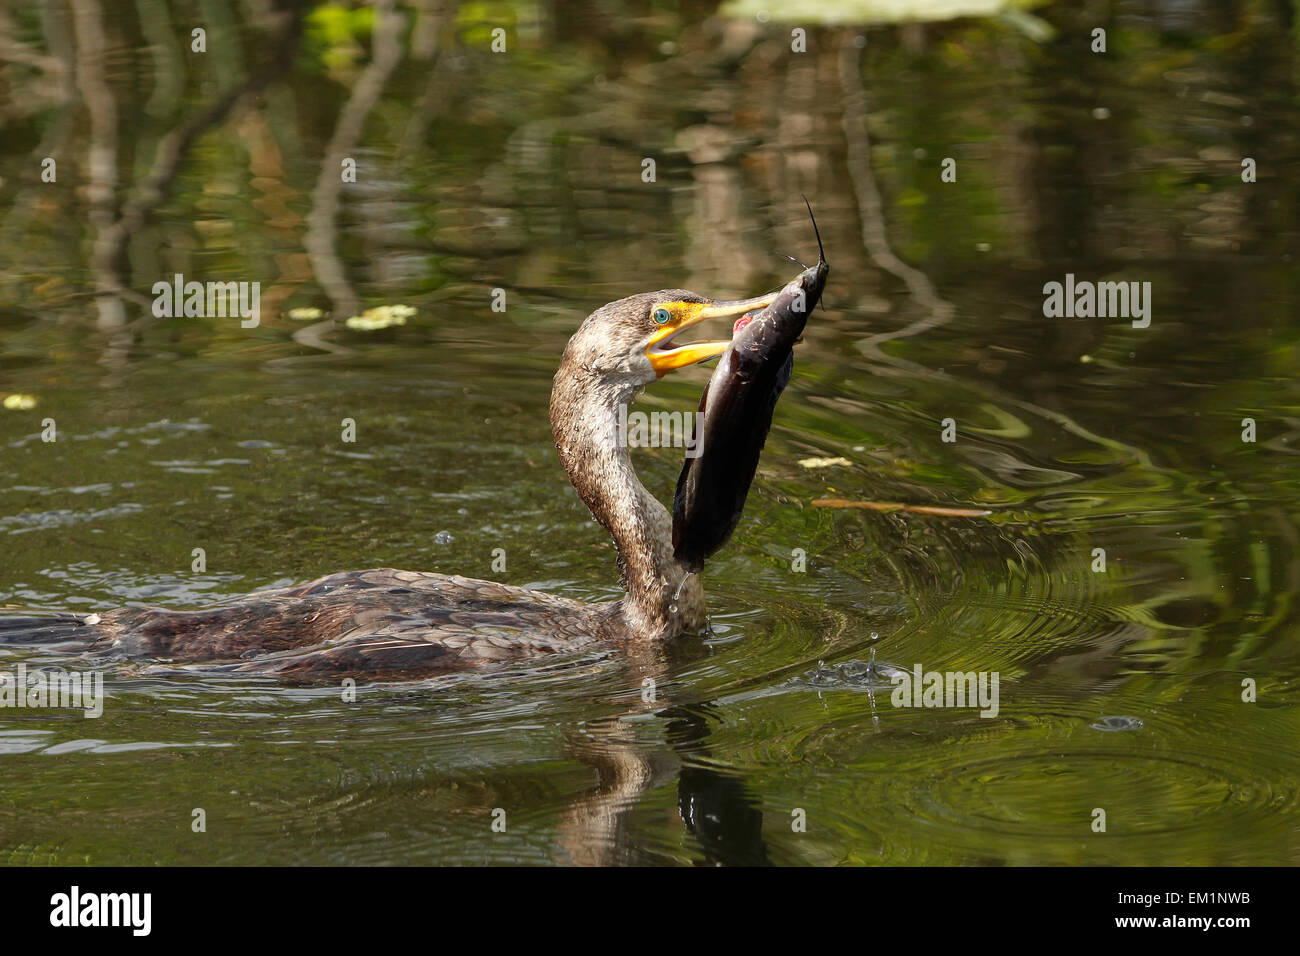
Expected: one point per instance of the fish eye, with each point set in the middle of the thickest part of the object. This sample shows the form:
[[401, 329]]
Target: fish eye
[[662, 315]]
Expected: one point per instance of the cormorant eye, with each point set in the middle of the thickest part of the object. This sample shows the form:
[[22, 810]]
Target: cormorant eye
[[662, 315]]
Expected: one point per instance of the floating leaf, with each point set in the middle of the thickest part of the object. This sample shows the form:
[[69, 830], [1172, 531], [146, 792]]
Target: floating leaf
[[20, 402], [380, 317], [822, 462]]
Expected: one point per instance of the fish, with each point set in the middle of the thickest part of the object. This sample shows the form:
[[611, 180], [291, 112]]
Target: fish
[[735, 416]]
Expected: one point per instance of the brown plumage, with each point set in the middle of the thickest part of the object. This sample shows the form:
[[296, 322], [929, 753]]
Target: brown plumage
[[389, 624], [382, 623]]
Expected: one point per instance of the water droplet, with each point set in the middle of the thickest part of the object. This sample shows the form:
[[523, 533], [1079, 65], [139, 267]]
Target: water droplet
[[1118, 723], [851, 675]]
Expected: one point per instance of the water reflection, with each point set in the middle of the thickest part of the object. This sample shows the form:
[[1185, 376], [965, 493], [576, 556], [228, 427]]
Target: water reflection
[[718, 808], [652, 746], [522, 171]]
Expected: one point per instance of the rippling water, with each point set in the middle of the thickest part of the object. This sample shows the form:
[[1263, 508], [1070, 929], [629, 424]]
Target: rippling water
[[776, 738]]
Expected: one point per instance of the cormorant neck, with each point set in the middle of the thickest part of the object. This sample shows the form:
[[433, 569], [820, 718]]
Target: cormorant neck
[[663, 599]]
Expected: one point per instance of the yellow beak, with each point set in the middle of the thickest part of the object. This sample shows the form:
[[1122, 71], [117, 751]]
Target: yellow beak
[[664, 359]]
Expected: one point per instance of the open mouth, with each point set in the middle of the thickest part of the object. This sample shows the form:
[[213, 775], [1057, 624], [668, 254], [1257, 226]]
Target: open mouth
[[665, 356]]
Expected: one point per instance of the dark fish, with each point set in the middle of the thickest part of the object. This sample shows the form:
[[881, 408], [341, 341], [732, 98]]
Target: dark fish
[[736, 413]]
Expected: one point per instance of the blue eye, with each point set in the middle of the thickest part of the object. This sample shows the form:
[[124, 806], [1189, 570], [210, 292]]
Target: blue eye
[[662, 316]]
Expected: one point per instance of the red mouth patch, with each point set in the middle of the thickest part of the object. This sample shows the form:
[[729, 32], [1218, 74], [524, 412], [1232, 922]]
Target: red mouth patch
[[743, 321]]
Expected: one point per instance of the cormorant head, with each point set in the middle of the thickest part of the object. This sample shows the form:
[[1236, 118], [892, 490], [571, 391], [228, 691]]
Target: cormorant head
[[632, 342]]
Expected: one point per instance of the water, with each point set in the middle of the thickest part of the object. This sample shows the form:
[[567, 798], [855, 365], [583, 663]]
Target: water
[[1120, 689]]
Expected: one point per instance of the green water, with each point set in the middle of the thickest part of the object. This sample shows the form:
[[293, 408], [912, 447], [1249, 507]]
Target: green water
[[523, 171]]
